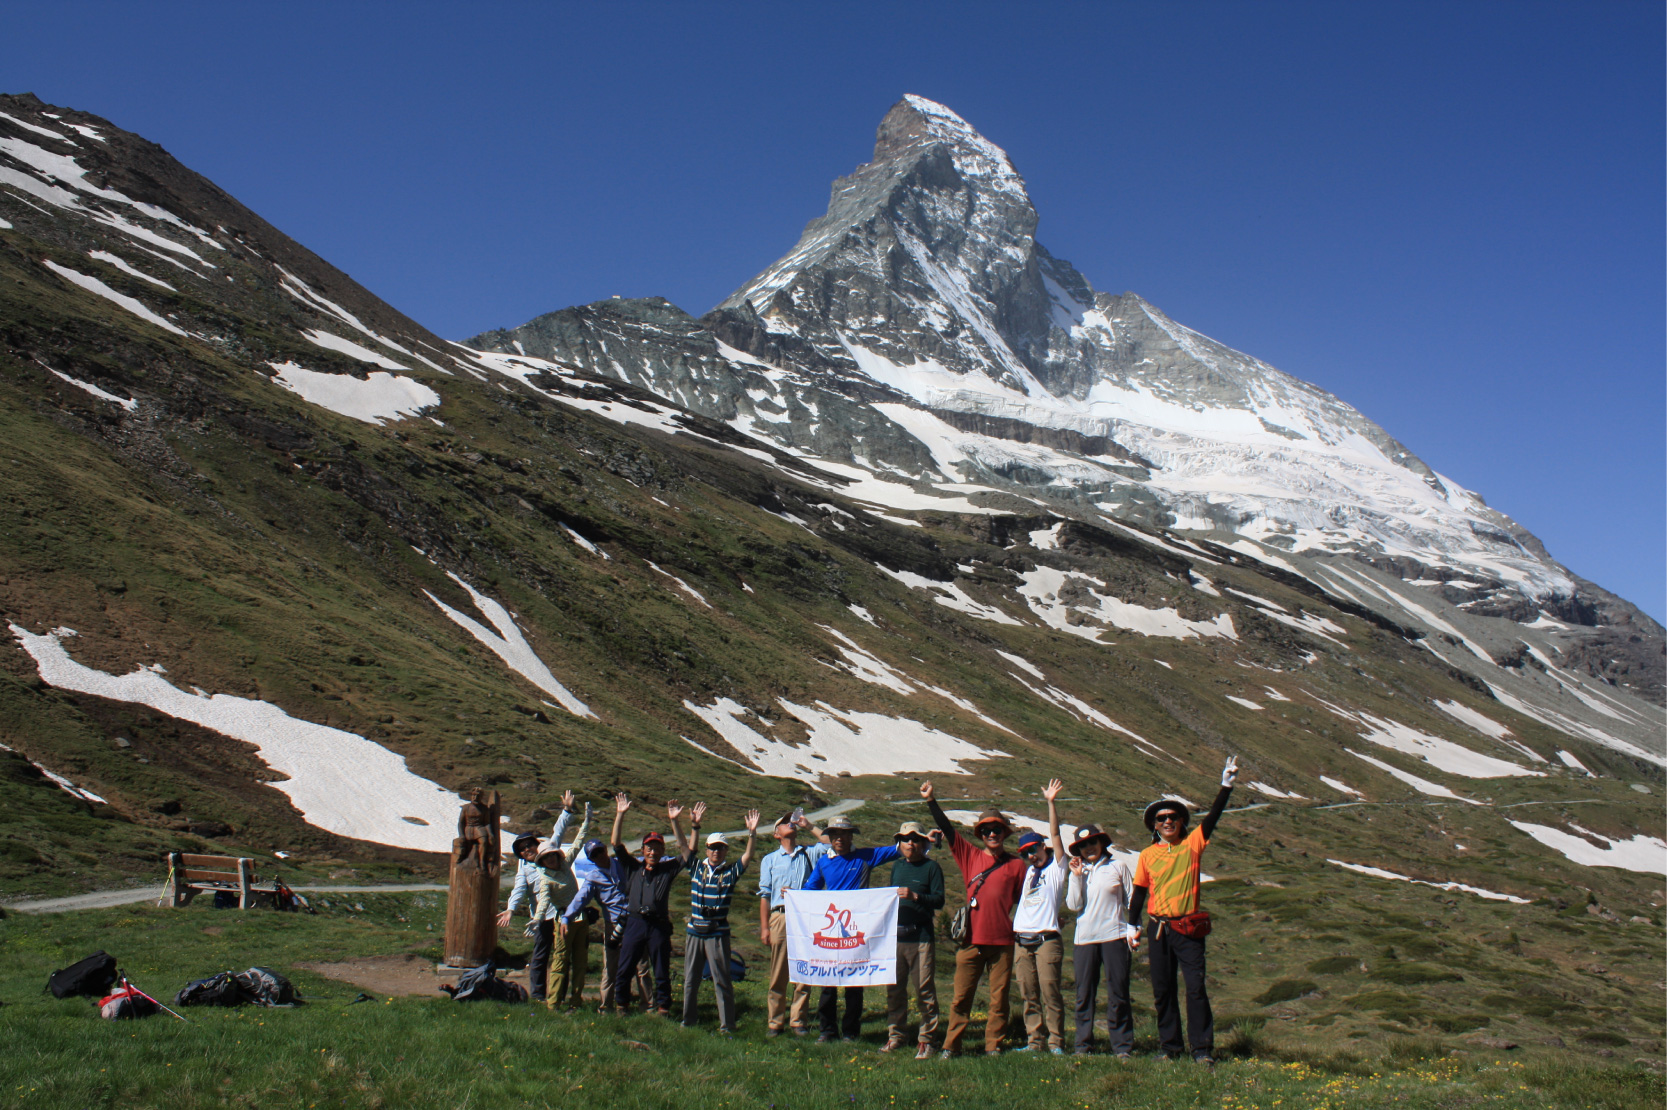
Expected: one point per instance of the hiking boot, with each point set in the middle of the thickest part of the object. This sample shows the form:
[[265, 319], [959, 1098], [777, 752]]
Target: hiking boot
[[801, 1031], [1204, 1058], [892, 1045], [1056, 1051], [992, 1052], [947, 1055], [924, 1052], [1029, 1048], [772, 1032], [663, 1011], [827, 1038]]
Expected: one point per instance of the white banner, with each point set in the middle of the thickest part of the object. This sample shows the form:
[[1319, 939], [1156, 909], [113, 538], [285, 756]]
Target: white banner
[[842, 938]]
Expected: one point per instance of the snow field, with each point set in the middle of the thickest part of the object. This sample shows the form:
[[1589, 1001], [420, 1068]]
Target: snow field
[[682, 585], [1041, 587], [131, 304], [1341, 787], [1423, 786], [129, 404], [871, 668], [855, 743], [375, 398], [1647, 854], [949, 595], [341, 782], [1444, 755], [68, 787], [1380, 873], [508, 644]]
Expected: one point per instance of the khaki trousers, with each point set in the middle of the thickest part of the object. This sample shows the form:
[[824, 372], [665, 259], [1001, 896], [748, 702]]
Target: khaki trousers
[[568, 965], [610, 970], [779, 986], [916, 967], [971, 963], [1038, 974]]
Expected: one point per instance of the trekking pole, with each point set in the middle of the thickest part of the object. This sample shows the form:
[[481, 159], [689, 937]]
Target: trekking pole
[[128, 983]]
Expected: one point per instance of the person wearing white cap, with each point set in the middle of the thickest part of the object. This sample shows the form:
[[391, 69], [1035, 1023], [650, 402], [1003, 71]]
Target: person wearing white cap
[[706, 945]]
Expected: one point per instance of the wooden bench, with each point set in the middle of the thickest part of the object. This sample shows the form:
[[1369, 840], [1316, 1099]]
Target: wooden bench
[[192, 875]]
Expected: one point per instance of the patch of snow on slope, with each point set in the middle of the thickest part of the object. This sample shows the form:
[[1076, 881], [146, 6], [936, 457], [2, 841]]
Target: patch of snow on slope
[[1444, 755], [856, 743], [1642, 853], [1023, 664], [93, 285], [1487, 726], [129, 404], [37, 129], [341, 782], [508, 644], [128, 268], [1274, 792], [374, 399], [1570, 727], [1042, 586], [1380, 873], [584, 543], [1569, 760], [1203, 585], [949, 595], [1341, 787], [1423, 786], [862, 614], [1274, 694], [1046, 539], [68, 787], [1248, 704], [351, 349], [682, 585], [871, 668]]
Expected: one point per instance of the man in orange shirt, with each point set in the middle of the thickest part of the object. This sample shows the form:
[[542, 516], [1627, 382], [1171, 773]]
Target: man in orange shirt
[[1166, 882]]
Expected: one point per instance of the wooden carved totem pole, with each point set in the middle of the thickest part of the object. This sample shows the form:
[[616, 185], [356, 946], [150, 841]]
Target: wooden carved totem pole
[[472, 905]]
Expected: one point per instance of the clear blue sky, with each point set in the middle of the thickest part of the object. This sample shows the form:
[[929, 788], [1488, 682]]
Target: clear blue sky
[[1449, 214]]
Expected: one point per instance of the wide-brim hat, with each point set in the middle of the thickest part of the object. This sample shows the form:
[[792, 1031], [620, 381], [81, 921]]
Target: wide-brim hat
[[911, 828], [548, 849], [841, 823], [1162, 804], [521, 842], [1085, 834], [992, 817]]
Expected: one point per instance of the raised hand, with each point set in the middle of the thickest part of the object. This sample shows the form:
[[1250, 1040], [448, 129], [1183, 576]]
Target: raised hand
[[926, 790], [1230, 771], [621, 803], [1076, 865], [1051, 791], [674, 809], [697, 813], [567, 799], [752, 821]]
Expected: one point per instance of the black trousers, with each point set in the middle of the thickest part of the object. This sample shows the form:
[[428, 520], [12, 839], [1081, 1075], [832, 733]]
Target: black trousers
[[651, 939], [827, 1012], [1172, 952], [1092, 962], [538, 964]]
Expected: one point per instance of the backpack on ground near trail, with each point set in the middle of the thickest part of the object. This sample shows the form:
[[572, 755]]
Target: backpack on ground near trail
[[265, 987], [217, 990], [92, 976], [483, 983], [126, 1002]]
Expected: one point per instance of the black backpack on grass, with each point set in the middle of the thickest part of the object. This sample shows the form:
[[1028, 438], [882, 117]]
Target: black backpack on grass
[[93, 976], [265, 987], [216, 990]]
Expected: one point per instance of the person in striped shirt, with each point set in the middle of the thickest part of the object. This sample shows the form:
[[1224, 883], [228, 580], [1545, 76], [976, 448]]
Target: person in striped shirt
[[706, 943], [1166, 885]]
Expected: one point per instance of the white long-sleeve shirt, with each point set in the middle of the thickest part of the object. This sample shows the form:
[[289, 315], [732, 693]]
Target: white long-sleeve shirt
[[1100, 898], [526, 872]]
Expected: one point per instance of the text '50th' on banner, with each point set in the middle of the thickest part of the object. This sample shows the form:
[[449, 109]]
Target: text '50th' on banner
[[842, 938]]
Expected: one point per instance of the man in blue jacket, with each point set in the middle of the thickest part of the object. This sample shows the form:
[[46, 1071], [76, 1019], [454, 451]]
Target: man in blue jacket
[[844, 868]]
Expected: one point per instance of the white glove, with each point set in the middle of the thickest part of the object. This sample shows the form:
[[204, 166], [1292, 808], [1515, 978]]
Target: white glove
[[531, 931], [1230, 771]]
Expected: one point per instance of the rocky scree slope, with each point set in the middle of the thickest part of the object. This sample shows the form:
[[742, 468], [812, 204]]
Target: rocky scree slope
[[282, 571]]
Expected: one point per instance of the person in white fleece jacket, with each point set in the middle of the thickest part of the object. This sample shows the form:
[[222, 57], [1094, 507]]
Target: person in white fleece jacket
[[1098, 892]]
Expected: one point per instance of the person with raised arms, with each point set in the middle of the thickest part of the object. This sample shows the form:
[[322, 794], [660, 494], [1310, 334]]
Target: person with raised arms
[[706, 943], [844, 868], [594, 870], [647, 885], [1039, 955], [1104, 942], [557, 883], [525, 848], [1166, 885], [919, 883], [783, 870], [992, 876]]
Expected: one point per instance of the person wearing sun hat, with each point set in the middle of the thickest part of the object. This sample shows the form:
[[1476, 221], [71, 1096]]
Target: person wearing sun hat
[[525, 850], [1039, 954], [1103, 945], [558, 881], [919, 883], [844, 868], [992, 876], [1166, 883], [783, 870]]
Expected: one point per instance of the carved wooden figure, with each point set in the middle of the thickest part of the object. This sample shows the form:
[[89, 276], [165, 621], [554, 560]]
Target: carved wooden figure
[[476, 861]]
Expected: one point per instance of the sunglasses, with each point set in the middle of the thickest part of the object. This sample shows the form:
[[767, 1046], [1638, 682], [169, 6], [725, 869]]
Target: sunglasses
[[1167, 819]]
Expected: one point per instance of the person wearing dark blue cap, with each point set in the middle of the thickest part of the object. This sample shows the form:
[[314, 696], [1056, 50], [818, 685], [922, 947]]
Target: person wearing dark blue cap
[[1040, 953]]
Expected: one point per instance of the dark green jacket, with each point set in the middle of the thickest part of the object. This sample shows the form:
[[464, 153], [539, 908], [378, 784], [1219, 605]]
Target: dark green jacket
[[914, 915]]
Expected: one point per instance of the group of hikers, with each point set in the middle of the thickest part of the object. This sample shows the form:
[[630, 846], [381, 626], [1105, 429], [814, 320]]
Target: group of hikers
[[1014, 899]]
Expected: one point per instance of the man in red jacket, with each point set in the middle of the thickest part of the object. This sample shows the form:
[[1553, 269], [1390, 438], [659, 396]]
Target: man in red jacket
[[993, 877]]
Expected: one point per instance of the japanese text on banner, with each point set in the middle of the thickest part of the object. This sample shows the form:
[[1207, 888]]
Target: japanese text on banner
[[842, 938]]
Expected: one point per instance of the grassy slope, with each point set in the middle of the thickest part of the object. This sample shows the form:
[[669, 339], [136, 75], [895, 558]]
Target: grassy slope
[[432, 1052]]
